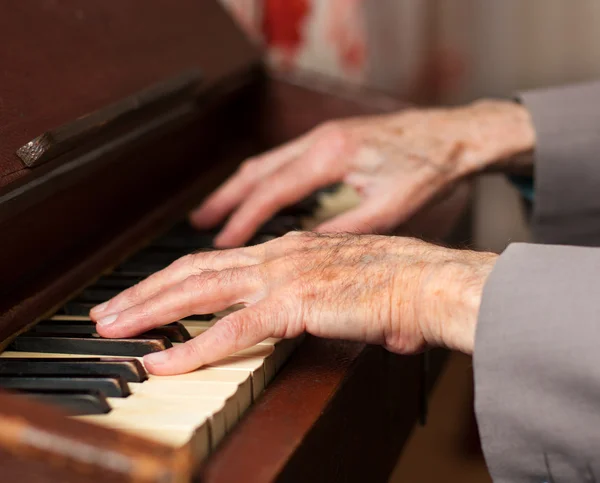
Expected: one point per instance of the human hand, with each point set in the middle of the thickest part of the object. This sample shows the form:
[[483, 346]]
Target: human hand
[[401, 293], [397, 163]]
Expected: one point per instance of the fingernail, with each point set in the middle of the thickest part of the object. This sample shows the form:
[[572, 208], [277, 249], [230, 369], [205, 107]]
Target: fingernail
[[98, 309], [108, 319], [157, 358]]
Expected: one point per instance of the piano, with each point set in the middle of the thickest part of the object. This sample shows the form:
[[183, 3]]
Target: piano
[[115, 120]]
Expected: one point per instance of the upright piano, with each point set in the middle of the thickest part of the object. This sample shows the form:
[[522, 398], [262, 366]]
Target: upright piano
[[116, 118]]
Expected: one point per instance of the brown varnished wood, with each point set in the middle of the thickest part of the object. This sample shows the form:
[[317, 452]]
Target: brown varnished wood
[[65, 59], [339, 411], [155, 101], [38, 444]]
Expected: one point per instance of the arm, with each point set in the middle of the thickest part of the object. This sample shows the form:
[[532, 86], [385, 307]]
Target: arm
[[567, 163], [536, 365]]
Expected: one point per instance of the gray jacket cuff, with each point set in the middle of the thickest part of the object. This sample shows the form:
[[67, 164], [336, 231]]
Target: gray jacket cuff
[[567, 167], [537, 365]]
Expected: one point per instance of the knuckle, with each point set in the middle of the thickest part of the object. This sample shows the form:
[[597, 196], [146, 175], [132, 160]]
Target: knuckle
[[190, 351], [184, 262], [196, 282], [295, 234], [231, 329], [334, 134]]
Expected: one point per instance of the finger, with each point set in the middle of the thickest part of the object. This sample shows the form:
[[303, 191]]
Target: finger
[[198, 294], [233, 191], [288, 185], [237, 331], [175, 273]]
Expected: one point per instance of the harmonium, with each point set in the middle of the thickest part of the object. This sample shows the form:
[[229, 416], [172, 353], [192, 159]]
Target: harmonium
[[116, 118]]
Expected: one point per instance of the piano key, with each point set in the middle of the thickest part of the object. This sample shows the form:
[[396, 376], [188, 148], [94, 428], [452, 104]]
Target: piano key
[[116, 282], [163, 255], [305, 207], [109, 386], [76, 308], [142, 269], [76, 403], [187, 242], [211, 393], [262, 375], [131, 370], [175, 332], [241, 389], [208, 387], [97, 295], [214, 410], [75, 344]]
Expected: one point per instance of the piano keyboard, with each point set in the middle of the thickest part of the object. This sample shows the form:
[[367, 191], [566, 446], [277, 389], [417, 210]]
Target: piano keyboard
[[63, 361]]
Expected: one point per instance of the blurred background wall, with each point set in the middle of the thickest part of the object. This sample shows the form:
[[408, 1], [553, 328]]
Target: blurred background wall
[[437, 52]]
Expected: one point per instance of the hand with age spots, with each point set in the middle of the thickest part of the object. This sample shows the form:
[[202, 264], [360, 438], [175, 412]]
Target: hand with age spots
[[397, 163], [401, 293]]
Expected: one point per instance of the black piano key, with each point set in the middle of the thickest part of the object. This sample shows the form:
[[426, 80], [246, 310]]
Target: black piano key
[[157, 255], [76, 344], [175, 332], [201, 317], [77, 403], [93, 295], [139, 269], [186, 242], [306, 207], [108, 386], [76, 308], [116, 282], [131, 370]]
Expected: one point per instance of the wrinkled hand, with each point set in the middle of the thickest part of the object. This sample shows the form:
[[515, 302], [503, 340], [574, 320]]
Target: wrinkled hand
[[398, 292], [396, 162]]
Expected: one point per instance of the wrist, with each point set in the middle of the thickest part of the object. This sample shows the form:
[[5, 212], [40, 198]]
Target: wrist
[[506, 130], [451, 300]]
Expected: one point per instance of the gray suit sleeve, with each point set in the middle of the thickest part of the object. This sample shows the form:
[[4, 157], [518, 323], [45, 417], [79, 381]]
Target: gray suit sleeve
[[567, 166], [537, 365]]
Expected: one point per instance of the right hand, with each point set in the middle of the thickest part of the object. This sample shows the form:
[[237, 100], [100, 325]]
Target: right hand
[[397, 163]]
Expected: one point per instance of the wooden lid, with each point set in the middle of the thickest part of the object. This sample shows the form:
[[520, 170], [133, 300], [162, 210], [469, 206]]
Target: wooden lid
[[63, 60]]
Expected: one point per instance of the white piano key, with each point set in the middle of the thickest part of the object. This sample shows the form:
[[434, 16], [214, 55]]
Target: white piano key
[[195, 407], [150, 405]]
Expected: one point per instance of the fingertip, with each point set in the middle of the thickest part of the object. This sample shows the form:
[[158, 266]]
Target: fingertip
[[199, 219], [169, 362], [99, 310], [227, 239], [157, 361]]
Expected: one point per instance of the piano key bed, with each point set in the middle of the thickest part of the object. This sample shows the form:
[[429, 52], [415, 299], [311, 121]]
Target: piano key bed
[[63, 361]]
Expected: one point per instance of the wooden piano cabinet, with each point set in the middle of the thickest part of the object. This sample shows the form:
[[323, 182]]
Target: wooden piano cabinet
[[39, 444], [337, 411]]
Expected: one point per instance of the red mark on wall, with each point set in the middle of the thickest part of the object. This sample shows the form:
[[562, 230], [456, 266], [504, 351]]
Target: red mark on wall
[[283, 23], [346, 32]]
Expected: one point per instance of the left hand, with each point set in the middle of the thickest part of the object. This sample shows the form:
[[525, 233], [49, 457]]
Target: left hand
[[401, 293]]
